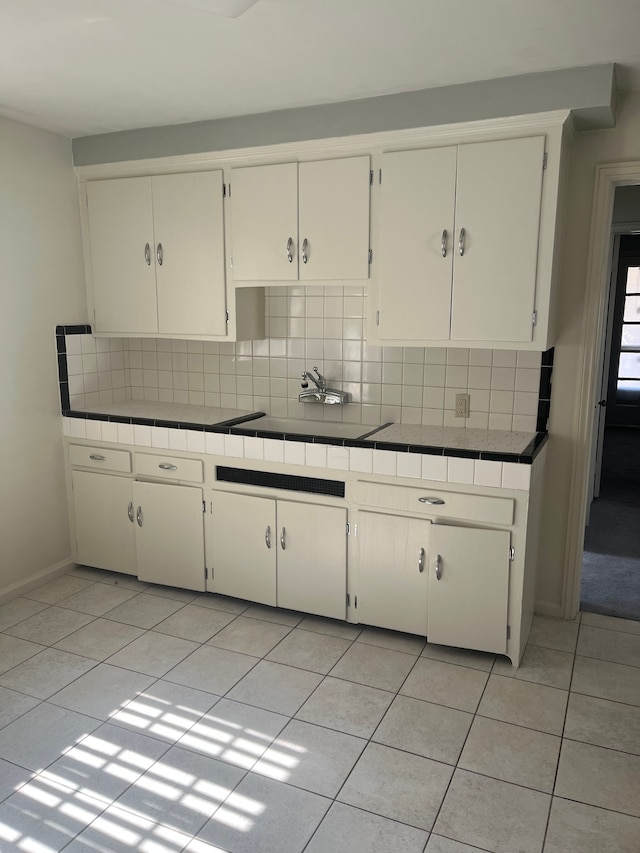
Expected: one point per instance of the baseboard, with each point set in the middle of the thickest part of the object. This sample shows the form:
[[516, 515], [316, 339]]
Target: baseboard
[[48, 574], [547, 608]]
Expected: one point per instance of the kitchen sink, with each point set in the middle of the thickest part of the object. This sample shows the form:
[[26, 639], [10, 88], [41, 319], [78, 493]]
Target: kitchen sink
[[297, 426]]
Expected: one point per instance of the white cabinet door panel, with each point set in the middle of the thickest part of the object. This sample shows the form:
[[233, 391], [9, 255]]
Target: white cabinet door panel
[[312, 565], [499, 191], [392, 588], [120, 227], [468, 603], [188, 223], [105, 536], [334, 219], [264, 216], [417, 207], [169, 534], [241, 546]]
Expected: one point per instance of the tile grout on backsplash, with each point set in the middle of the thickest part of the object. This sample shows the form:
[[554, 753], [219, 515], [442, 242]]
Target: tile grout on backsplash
[[320, 326]]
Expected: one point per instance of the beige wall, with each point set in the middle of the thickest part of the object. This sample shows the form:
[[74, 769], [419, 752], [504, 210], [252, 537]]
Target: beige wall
[[620, 144], [41, 282]]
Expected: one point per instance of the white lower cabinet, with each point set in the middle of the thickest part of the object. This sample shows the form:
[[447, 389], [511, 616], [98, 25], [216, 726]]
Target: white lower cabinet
[[282, 552], [104, 528], [169, 534], [448, 583]]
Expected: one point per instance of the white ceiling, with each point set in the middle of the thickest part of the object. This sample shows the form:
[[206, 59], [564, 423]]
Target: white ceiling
[[81, 67]]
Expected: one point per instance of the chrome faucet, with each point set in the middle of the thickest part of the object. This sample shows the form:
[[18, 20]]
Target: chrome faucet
[[320, 382], [320, 394]]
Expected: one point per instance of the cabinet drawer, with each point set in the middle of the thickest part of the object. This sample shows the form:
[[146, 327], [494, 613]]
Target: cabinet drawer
[[100, 458], [169, 467], [433, 502]]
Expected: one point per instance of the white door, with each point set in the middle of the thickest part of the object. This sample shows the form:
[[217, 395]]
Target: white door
[[312, 558], [392, 572], [241, 546], [416, 244], [121, 242], [468, 587], [264, 223], [498, 196], [169, 534], [334, 219], [103, 511], [189, 253]]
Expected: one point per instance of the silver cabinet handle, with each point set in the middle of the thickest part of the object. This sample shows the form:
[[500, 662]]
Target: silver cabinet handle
[[267, 536], [139, 516], [283, 543], [147, 254], [443, 243], [130, 511], [305, 246], [432, 501], [438, 567], [463, 234], [97, 457], [160, 254], [290, 250], [421, 560], [167, 466]]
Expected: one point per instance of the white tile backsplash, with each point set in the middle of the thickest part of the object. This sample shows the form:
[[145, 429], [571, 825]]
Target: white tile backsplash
[[321, 326]]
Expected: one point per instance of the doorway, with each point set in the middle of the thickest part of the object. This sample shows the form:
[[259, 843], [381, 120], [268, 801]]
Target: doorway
[[611, 559]]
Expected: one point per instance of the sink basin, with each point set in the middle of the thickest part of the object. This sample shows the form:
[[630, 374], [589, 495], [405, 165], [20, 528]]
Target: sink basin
[[307, 427]]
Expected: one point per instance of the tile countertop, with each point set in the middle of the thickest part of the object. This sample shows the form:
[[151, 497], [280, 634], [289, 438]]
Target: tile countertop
[[496, 445]]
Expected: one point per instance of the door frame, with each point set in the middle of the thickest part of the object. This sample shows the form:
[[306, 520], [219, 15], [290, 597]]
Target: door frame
[[607, 179]]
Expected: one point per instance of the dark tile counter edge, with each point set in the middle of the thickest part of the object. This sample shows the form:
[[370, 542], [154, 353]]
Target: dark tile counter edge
[[524, 458]]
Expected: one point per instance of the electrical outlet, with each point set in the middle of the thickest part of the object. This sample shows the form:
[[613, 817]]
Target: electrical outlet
[[462, 405]]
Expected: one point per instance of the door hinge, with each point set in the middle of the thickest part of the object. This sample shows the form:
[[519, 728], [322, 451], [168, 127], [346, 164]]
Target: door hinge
[[534, 318], [348, 528], [355, 601], [545, 160], [512, 553], [224, 191], [204, 506], [348, 600], [377, 318], [380, 176], [371, 178], [370, 256], [508, 632], [226, 314], [206, 573]]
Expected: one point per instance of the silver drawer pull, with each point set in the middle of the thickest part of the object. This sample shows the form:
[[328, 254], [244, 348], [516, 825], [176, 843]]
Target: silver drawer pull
[[160, 254], [283, 541], [443, 244], [421, 560], [147, 254], [438, 567], [139, 516], [461, 239], [267, 536], [130, 511], [305, 250], [97, 457], [432, 501], [167, 466], [290, 250]]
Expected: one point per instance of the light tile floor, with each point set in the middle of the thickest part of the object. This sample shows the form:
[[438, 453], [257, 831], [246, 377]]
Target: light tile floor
[[135, 717]]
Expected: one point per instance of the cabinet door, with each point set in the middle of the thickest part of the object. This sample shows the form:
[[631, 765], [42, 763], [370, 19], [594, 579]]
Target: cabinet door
[[468, 602], [312, 558], [264, 217], [188, 226], [241, 546], [169, 534], [417, 208], [103, 510], [334, 219], [392, 572], [498, 205], [122, 268]]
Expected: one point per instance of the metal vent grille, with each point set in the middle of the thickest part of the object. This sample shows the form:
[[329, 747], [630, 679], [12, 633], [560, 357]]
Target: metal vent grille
[[290, 482]]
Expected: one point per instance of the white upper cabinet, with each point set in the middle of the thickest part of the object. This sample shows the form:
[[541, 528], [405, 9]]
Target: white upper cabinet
[[300, 222], [155, 258], [463, 253]]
